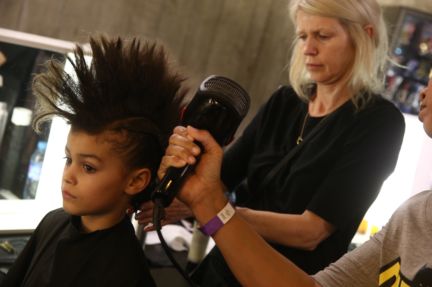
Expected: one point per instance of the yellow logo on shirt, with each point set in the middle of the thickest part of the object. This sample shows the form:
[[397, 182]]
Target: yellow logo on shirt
[[391, 276]]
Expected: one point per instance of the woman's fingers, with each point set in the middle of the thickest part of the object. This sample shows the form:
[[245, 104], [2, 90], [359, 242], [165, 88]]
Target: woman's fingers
[[181, 150], [182, 145]]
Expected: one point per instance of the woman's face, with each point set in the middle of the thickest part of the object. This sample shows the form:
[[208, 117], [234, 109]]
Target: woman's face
[[327, 48], [425, 114]]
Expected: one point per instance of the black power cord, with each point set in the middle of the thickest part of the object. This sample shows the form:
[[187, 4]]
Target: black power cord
[[158, 215]]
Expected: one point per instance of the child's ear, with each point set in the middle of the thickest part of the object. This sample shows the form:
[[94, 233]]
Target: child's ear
[[138, 181]]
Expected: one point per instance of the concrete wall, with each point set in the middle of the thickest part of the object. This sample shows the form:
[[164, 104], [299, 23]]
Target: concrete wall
[[423, 5], [246, 40]]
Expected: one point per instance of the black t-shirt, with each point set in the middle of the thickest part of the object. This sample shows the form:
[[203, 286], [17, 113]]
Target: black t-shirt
[[337, 173], [58, 254]]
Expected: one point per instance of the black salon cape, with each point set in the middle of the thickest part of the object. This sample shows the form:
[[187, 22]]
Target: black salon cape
[[337, 174], [58, 255]]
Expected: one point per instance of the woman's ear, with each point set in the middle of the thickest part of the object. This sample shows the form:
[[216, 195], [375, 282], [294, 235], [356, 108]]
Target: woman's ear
[[138, 181], [369, 30]]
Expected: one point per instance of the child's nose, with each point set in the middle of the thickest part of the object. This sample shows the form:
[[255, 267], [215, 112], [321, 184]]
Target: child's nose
[[68, 175]]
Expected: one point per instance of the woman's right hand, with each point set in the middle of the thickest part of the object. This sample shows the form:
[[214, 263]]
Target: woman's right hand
[[202, 188]]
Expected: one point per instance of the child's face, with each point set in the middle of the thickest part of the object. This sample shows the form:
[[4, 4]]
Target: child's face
[[94, 178]]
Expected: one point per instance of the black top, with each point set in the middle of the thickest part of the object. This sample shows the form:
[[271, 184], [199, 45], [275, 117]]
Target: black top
[[58, 254], [337, 173]]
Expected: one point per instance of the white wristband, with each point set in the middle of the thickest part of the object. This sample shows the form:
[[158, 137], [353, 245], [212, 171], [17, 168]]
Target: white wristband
[[219, 220]]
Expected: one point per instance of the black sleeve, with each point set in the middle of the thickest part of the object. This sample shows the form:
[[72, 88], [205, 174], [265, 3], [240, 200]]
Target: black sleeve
[[19, 268], [368, 156], [237, 156]]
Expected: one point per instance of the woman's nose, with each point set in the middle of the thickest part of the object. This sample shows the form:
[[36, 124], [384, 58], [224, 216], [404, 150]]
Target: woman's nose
[[309, 47]]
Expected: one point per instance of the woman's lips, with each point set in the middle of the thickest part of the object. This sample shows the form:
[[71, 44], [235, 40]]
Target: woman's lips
[[313, 66]]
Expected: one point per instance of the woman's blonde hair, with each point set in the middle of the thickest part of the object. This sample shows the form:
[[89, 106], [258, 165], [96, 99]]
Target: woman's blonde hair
[[366, 76]]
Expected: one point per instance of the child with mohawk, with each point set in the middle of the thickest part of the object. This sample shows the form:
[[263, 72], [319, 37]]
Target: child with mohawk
[[121, 109]]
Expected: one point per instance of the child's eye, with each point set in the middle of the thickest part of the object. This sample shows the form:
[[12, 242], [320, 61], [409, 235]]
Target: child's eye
[[68, 160], [88, 168]]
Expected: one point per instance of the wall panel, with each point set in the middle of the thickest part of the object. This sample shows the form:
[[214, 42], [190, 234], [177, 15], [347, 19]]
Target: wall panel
[[246, 40]]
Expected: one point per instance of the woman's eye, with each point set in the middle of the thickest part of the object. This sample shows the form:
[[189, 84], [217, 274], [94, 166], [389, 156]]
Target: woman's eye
[[89, 168], [323, 37], [301, 37]]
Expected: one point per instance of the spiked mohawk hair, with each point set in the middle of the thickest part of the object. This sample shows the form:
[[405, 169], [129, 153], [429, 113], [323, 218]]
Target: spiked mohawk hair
[[128, 89]]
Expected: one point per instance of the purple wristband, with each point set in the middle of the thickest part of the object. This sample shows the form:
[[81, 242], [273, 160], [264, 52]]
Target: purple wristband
[[218, 221]]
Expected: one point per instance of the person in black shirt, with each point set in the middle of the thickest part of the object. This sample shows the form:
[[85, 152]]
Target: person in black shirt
[[121, 109], [313, 159]]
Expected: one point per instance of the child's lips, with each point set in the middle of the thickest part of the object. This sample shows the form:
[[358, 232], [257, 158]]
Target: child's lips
[[67, 195]]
